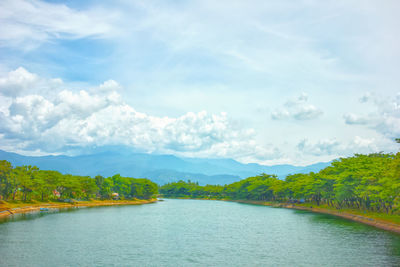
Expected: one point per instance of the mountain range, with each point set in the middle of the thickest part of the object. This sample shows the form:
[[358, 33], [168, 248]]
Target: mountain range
[[159, 168]]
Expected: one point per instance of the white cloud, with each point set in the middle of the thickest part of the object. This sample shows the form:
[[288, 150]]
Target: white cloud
[[336, 148], [386, 118], [351, 118], [17, 81], [365, 98], [297, 109], [107, 86], [26, 24], [322, 147], [74, 119]]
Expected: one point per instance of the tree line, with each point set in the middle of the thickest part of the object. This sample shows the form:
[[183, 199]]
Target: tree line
[[366, 182], [29, 183]]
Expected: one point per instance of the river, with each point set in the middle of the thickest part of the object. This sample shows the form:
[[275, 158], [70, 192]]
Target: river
[[192, 233]]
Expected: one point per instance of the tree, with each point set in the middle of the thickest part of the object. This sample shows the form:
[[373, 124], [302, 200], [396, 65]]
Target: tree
[[24, 180], [5, 176]]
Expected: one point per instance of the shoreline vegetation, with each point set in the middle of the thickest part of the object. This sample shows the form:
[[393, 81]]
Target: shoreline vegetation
[[9, 208], [25, 189], [364, 182], [364, 188], [28, 184]]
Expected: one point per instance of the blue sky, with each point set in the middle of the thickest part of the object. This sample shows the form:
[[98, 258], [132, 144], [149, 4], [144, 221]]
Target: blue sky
[[259, 81]]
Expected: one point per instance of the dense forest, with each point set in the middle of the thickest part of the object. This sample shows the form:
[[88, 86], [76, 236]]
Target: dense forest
[[367, 182], [29, 183]]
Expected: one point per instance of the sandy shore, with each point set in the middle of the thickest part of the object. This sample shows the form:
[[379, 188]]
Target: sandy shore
[[393, 227], [5, 212]]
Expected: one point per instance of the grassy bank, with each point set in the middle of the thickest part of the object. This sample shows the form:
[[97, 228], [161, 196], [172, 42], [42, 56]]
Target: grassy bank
[[15, 207]]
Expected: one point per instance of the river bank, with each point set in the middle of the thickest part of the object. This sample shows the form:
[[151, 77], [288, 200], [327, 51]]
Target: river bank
[[7, 209], [378, 223]]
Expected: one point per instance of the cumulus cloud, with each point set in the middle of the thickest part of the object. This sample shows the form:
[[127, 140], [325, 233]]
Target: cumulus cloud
[[107, 86], [17, 81], [27, 23], [72, 119], [297, 109], [386, 118], [22, 82], [334, 147], [365, 97], [351, 118]]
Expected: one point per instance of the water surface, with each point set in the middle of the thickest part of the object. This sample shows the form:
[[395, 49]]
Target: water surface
[[193, 233]]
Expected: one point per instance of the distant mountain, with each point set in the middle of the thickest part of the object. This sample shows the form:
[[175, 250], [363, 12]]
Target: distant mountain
[[159, 168]]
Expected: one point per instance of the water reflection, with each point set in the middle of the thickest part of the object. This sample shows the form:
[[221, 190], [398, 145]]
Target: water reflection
[[36, 214]]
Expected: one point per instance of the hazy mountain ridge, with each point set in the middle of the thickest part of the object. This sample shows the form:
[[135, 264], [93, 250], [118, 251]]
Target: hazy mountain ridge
[[159, 168]]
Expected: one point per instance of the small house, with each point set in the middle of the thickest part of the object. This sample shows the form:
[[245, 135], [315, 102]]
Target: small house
[[56, 193]]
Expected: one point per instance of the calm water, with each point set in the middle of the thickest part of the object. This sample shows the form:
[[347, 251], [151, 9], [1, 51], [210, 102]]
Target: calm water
[[193, 233]]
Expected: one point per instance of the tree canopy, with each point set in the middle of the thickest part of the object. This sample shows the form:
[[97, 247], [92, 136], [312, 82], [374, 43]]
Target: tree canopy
[[368, 182], [29, 183]]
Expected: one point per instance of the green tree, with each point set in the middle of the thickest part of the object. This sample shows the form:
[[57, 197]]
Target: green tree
[[5, 179]]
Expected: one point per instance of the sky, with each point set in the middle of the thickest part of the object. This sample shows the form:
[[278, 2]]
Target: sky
[[271, 82]]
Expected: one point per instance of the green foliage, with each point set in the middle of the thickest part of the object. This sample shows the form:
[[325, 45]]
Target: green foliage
[[29, 183], [190, 189], [366, 182], [5, 178]]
